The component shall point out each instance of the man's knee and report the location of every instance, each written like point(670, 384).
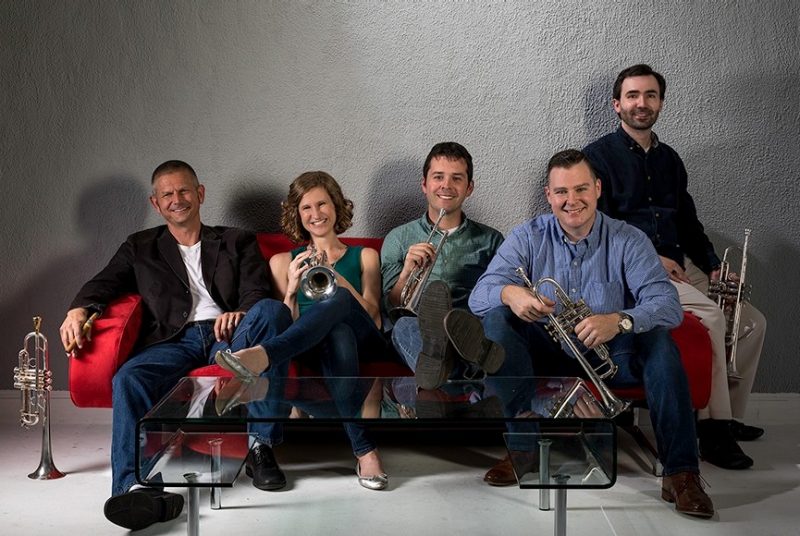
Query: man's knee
point(497, 322)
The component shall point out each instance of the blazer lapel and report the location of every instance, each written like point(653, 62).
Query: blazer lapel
point(208, 254)
point(168, 248)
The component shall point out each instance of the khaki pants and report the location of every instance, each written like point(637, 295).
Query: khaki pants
point(728, 399)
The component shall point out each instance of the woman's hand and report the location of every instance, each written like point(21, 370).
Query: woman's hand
point(297, 268)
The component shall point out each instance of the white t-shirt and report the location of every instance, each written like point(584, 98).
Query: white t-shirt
point(203, 305)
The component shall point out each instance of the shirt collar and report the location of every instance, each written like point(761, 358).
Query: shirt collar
point(592, 240)
point(429, 224)
point(632, 144)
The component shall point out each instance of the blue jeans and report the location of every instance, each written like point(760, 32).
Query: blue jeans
point(654, 363)
point(407, 340)
point(149, 374)
point(337, 333)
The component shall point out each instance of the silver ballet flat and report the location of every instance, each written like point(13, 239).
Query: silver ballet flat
point(231, 363)
point(376, 482)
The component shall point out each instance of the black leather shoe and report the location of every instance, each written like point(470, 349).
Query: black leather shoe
point(718, 447)
point(435, 361)
point(263, 468)
point(743, 432)
point(140, 508)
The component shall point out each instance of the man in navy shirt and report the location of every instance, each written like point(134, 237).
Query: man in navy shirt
point(645, 184)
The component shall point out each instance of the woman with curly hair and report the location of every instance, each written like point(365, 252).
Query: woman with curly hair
point(338, 330)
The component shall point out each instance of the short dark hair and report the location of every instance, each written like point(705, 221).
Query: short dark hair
point(290, 212)
point(452, 151)
point(639, 70)
point(171, 166)
point(566, 159)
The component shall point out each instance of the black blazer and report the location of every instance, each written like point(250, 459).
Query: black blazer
point(149, 263)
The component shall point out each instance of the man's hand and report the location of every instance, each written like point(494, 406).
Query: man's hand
point(72, 329)
point(597, 329)
point(674, 270)
point(418, 256)
point(587, 407)
point(226, 324)
point(524, 304)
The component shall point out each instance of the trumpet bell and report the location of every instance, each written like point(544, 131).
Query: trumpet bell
point(318, 283)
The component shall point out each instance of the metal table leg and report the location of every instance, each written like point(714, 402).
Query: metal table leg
point(193, 506)
point(544, 473)
point(561, 506)
point(216, 472)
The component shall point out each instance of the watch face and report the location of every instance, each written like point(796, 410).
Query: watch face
point(626, 324)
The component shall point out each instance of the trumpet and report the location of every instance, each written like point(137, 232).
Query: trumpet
point(559, 327)
point(319, 281)
point(412, 290)
point(730, 293)
point(34, 379)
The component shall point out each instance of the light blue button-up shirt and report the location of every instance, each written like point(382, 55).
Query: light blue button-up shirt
point(614, 269)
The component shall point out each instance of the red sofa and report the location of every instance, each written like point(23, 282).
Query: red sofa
point(115, 332)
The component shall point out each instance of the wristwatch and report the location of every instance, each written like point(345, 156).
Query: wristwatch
point(625, 323)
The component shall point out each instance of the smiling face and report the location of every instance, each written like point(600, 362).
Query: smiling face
point(177, 197)
point(573, 193)
point(639, 103)
point(446, 185)
point(317, 212)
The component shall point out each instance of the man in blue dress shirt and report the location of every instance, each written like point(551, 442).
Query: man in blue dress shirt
point(615, 269)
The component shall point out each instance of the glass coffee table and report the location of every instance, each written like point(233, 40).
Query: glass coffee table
point(197, 436)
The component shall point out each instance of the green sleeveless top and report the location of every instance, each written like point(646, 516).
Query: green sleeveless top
point(349, 267)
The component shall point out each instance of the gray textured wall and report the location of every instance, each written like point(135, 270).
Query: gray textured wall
point(95, 94)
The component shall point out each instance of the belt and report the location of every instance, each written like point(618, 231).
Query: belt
point(199, 323)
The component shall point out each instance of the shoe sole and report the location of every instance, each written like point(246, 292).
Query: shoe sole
point(667, 496)
point(434, 363)
point(465, 332)
point(135, 511)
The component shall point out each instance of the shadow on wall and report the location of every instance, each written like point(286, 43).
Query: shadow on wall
point(599, 115)
point(394, 197)
point(744, 173)
point(257, 206)
point(106, 213)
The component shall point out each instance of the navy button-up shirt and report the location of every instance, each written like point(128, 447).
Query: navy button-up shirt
point(649, 190)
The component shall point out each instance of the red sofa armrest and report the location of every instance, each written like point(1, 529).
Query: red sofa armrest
point(694, 344)
point(691, 338)
point(113, 335)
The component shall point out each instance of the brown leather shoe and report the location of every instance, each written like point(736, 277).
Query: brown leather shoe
point(686, 491)
point(502, 474)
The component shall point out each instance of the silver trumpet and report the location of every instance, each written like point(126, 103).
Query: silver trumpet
point(730, 293)
point(34, 379)
point(412, 290)
point(319, 281)
point(560, 327)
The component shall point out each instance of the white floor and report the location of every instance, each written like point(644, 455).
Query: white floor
point(432, 489)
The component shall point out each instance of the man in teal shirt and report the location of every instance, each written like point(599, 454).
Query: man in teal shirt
point(422, 341)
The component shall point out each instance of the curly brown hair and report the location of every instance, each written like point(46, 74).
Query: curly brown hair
point(291, 224)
